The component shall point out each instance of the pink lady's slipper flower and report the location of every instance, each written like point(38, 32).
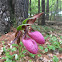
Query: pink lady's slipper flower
point(37, 36)
point(30, 45)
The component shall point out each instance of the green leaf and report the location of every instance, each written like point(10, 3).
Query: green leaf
point(39, 55)
point(15, 45)
point(24, 51)
point(3, 58)
point(50, 35)
point(41, 47)
point(3, 45)
point(30, 60)
point(21, 43)
point(46, 36)
point(3, 42)
point(46, 50)
point(55, 59)
point(13, 61)
point(51, 47)
point(20, 27)
point(14, 49)
point(60, 37)
point(56, 44)
point(8, 49)
point(10, 56)
point(32, 55)
point(4, 49)
point(54, 38)
point(7, 53)
point(8, 60)
point(25, 21)
point(22, 55)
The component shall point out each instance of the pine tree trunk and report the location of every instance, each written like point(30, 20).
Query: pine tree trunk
point(4, 16)
point(21, 10)
point(10, 9)
point(26, 9)
point(30, 8)
point(57, 7)
point(43, 10)
point(60, 5)
point(51, 11)
point(47, 10)
point(38, 11)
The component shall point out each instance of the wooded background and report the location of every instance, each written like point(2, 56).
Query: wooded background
point(15, 11)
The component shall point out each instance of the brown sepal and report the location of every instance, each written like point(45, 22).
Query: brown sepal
point(31, 21)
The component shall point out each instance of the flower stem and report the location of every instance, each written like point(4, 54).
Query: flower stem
point(20, 52)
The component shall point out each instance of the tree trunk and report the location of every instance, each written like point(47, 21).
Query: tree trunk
point(4, 16)
point(51, 11)
point(60, 5)
point(38, 6)
point(21, 10)
point(38, 11)
point(10, 8)
point(47, 10)
point(30, 8)
point(57, 7)
point(51, 15)
point(43, 10)
point(26, 9)
point(56, 10)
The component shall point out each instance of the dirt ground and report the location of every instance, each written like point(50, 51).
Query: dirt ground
point(45, 57)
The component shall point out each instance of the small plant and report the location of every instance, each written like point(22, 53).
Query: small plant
point(32, 55)
point(50, 47)
point(3, 43)
point(8, 57)
point(55, 59)
point(54, 43)
point(46, 49)
point(30, 60)
point(39, 55)
point(41, 47)
point(46, 36)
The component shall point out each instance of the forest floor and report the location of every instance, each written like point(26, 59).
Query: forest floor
point(51, 51)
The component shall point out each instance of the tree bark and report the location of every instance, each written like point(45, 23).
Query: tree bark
point(38, 11)
point(26, 9)
point(12, 9)
point(43, 10)
point(21, 10)
point(51, 11)
point(60, 5)
point(30, 8)
point(57, 7)
point(47, 10)
point(4, 16)
point(38, 6)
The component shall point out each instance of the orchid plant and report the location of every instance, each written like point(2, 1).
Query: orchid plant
point(29, 36)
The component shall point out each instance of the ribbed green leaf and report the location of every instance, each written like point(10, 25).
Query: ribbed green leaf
point(20, 27)
point(24, 22)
